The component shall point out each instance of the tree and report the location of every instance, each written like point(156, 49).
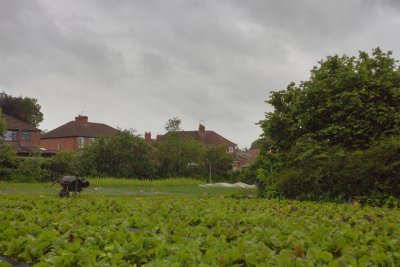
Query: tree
point(3, 126)
point(173, 125)
point(63, 163)
point(346, 112)
point(123, 155)
point(347, 101)
point(179, 156)
point(8, 161)
point(24, 108)
point(217, 162)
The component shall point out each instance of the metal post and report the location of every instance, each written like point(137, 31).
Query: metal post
point(210, 175)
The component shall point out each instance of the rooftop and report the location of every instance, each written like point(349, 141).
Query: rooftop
point(81, 127)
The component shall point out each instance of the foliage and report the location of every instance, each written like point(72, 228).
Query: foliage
point(218, 160)
point(187, 231)
point(29, 170)
point(173, 125)
point(347, 101)
point(123, 155)
point(7, 161)
point(179, 156)
point(3, 126)
point(326, 130)
point(63, 163)
point(24, 108)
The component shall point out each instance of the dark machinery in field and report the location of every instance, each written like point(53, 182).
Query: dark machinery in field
point(72, 184)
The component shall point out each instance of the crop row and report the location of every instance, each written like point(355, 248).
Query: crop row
point(188, 231)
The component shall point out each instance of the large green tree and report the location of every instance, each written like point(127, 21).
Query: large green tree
point(179, 156)
point(217, 162)
point(123, 155)
point(24, 108)
point(347, 101)
point(348, 111)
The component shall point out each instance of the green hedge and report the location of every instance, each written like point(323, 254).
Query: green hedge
point(338, 174)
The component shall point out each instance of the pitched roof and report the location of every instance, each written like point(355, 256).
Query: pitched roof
point(31, 149)
point(16, 124)
point(209, 137)
point(78, 129)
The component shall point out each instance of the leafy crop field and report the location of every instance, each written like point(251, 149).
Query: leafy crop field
point(43, 230)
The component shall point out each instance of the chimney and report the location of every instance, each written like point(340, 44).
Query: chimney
point(202, 131)
point(147, 136)
point(81, 119)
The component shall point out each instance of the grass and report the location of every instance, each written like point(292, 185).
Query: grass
point(109, 181)
point(122, 187)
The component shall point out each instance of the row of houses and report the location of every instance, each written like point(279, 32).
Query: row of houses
point(74, 135)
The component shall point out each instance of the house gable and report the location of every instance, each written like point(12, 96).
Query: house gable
point(74, 135)
point(23, 137)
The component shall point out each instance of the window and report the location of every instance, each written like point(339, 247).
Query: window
point(230, 149)
point(59, 146)
point(81, 142)
point(26, 135)
point(10, 136)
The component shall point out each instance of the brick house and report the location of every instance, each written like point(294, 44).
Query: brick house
point(74, 135)
point(23, 137)
point(244, 158)
point(204, 136)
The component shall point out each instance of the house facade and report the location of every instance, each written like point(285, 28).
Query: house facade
point(210, 138)
point(74, 135)
point(244, 158)
point(23, 137)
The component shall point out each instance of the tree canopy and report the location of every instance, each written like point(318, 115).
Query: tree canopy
point(3, 126)
point(179, 156)
point(173, 125)
point(347, 101)
point(123, 155)
point(338, 133)
point(24, 108)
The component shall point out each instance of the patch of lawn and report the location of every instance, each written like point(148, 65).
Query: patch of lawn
point(180, 190)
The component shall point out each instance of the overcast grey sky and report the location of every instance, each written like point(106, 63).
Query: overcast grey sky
point(135, 64)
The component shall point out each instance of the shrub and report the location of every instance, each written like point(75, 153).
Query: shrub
point(8, 161)
point(362, 173)
point(63, 163)
point(29, 170)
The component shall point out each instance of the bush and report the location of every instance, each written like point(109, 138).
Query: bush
point(334, 173)
point(8, 161)
point(123, 155)
point(29, 170)
point(63, 163)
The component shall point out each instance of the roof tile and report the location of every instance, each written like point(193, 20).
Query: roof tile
point(16, 124)
point(76, 129)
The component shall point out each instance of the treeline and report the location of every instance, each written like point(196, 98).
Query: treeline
point(337, 135)
point(123, 155)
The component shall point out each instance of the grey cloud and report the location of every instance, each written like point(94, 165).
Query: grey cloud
point(29, 32)
point(137, 63)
